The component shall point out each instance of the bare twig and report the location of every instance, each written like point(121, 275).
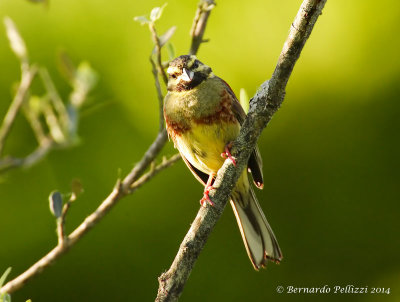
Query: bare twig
point(33, 119)
point(27, 76)
point(146, 177)
point(159, 95)
point(55, 98)
point(156, 42)
point(265, 103)
point(60, 125)
point(157, 69)
point(128, 185)
point(147, 159)
point(38, 154)
point(53, 122)
point(62, 237)
point(199, 24)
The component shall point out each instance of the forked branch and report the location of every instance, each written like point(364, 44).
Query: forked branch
point(135, 179)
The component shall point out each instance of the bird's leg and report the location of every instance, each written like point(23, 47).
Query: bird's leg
point(227, 153)
point(206, 199)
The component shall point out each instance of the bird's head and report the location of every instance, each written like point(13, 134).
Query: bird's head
point(186, 72)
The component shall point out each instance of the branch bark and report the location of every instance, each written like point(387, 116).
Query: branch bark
point(265, 103)
point(199, 24)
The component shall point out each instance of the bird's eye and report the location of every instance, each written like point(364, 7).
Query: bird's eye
point(174, 76)
point(195, 65)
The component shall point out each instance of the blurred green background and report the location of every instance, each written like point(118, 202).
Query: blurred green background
point(331, 153)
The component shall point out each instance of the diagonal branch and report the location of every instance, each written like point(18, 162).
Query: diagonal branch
point(127, 186)
point(264, 104)
point(27, 76)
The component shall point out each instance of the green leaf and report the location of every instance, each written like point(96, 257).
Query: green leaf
point(142, 20)
point(171, 51)
point(56, 203)
point(165, 37)
point(244, 100)
point(4, 276)
point(16, 42)
point(5, 297)
point(156, 13)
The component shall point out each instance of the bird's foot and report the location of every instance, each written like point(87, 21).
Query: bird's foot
point(227, 153)
point(206, 199)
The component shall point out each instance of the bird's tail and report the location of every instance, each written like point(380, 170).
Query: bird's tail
point(258, 237)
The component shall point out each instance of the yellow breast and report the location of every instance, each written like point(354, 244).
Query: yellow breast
point(203, 144)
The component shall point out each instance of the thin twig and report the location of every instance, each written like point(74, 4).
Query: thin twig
point(121, 189)
point(128, 185)
point(55, 98)
point(146, 177)
point(38, 154)
point(33, 118)
point(27, 76)
point(157, 69)
point(199, 24)
point(157, 45)
point(53, 122)
point(62, 237)
point(147, 158)
point(265, 103)
point(159, 94)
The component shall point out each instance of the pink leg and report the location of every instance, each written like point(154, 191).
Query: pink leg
point(227, 153)
point(206, 199)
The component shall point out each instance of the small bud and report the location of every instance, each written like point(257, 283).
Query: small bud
point(76, 188)
point(56, 203)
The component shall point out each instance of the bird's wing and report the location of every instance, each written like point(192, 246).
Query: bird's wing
point(200, 176)
point(255, 161)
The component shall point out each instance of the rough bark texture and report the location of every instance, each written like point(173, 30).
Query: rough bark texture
point(265, 103)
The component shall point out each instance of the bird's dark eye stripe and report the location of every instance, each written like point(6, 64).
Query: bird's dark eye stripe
point(195, 65)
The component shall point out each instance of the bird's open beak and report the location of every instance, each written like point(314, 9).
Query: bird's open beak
point(187, 76)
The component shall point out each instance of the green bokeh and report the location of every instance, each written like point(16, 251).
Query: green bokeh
point(331, 153)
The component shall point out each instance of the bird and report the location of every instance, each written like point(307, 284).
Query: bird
point(203, 117)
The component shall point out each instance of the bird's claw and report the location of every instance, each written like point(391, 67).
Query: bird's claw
point(206, 198)
point(227, 153)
